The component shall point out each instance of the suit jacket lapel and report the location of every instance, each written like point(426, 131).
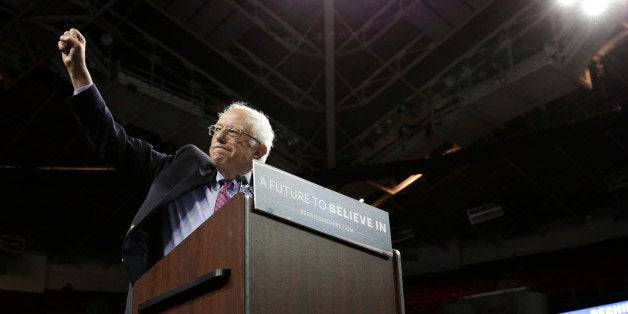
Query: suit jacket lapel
point(196, 177)
point(198, 173)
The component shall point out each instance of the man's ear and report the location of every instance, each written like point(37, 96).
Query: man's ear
point(260, 151)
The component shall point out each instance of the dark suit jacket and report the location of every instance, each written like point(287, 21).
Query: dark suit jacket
point(168, 176)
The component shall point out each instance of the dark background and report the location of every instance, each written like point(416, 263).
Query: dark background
point(513, 107)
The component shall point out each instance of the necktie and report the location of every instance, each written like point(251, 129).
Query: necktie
point(223, 194)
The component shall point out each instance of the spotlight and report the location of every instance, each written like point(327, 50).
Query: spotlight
point(566, 2)
point(594, 7)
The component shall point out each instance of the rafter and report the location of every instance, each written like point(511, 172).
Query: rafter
point(282, 26)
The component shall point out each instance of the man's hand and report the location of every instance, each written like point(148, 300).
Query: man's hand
point(72, 47)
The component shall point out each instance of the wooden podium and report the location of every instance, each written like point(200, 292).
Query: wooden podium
point(244, 261)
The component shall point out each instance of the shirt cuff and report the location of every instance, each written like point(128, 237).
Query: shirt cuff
point(80, 89)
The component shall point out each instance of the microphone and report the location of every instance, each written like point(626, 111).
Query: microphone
point(243, 185)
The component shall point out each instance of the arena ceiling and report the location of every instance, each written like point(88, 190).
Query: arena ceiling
point(499, 105)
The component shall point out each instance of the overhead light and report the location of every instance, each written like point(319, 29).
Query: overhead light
point(392, 191)
point(588, 7)
point(594, 7)
point(484, 213)
point(566, 2)
point(454, 148)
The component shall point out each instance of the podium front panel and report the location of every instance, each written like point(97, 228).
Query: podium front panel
point(296, 270)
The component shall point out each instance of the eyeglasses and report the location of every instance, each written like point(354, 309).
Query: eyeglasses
point(232, 132)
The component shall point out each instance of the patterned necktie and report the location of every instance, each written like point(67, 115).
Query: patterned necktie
point(223, 194)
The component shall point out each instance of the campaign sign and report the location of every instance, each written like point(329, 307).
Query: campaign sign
point(289, 197)
point(618, 307)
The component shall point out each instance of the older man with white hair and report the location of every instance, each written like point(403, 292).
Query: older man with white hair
point(185, 188)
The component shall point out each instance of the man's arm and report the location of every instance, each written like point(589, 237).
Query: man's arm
point(128, 154)
point(72, 46)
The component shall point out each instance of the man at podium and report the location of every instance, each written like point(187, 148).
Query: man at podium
point(186, 188)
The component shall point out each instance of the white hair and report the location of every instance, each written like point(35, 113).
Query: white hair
point(260, 126)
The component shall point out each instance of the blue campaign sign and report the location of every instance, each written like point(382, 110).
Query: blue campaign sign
point(292, 198)
point(614, 308)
